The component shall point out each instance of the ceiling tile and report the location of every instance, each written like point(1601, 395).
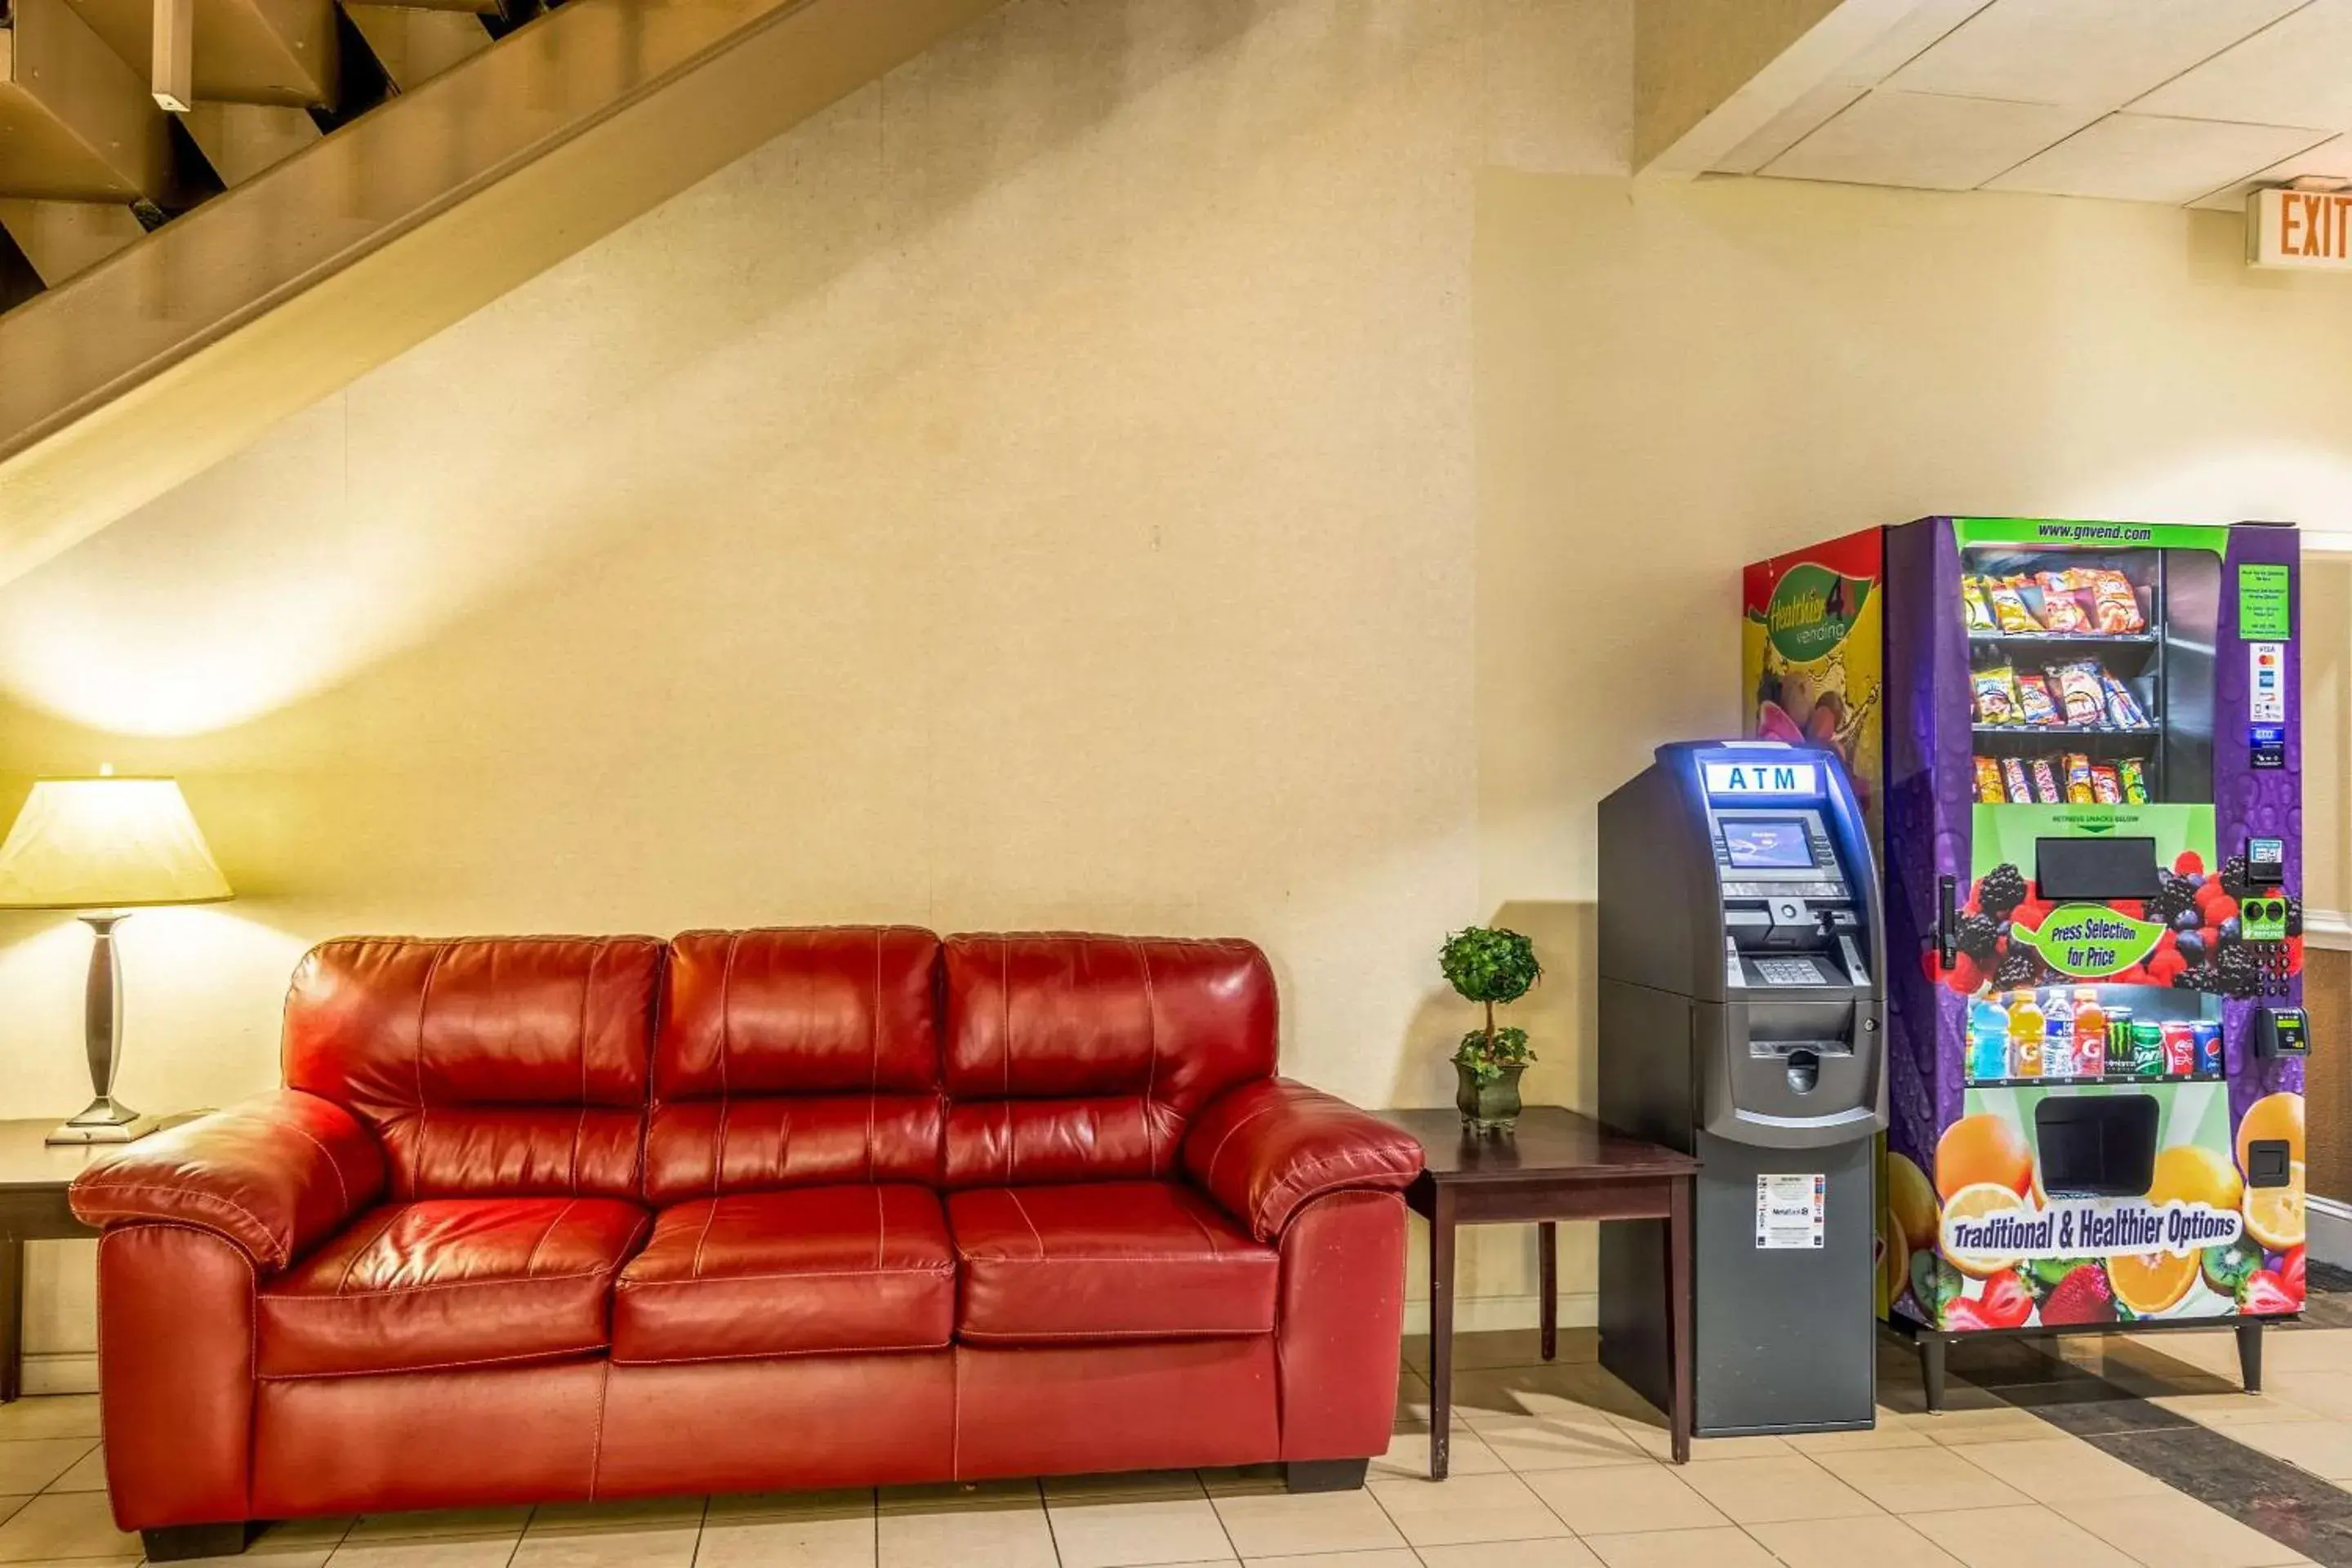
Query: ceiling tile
point(2291, 73)
point(1786, 129)
point(1926, 140)
point(2333, 156)
point(2144, 158)
point(2099, 52)
point(1920, 26)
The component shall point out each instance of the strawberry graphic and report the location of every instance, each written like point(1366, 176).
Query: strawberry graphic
point(1963, 1315)
point(2006, 1302)
point(2083, 1296)
point(2263, 1295)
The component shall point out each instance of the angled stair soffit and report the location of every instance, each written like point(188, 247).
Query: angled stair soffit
point(331, 255)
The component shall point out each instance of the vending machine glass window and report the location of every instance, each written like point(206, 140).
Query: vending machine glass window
point(2092, 671)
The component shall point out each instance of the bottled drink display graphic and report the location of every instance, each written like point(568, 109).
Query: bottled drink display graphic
point(2090, 1034)
point(2025, 1036)
point(2058, 1034)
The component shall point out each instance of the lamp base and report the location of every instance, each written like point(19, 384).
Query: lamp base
point(104, 1121)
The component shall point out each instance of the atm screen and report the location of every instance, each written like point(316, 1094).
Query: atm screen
point(1767, 844)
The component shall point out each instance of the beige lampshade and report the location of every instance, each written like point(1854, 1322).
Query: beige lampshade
point(106, 844)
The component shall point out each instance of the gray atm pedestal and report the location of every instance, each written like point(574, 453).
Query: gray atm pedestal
point(1742, 1019)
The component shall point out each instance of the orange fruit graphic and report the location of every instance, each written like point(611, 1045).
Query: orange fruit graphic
point(2271, 1117)
point(1978, 1202)
point(2193, 1174)
point(2189, 1172)
point(1983, 1148)
point(2152, 1282)
point(1910, 1203)
point(2275, 1215)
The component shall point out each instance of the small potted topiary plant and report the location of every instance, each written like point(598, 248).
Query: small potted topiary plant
point(1490, 965)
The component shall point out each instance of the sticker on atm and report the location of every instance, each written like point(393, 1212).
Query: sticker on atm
point(1789, 1211)
point(1762, 778)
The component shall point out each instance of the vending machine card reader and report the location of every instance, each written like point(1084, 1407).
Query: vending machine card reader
point(1742, 1019)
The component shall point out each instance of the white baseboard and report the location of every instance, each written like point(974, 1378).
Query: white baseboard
point(2330, 928)
point(61, 1373)
point(1483, 1314)
point(2328, 1230)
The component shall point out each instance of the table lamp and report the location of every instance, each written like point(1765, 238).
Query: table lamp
point(104, 847)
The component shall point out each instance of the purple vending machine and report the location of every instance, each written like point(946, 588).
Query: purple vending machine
point(2082, 741)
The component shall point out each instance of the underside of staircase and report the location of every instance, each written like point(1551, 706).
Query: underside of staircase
point(215, 212)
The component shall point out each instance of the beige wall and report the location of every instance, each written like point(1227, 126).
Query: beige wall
point(1040, 492)
point(1196, 466)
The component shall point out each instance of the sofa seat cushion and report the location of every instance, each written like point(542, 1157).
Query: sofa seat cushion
point(1106, 1260)
point(450, 1282)
point(808, 1270)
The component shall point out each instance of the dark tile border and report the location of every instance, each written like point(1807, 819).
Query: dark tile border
point(2113, 1414)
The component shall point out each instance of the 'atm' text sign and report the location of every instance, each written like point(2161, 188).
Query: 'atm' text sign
point(2300, 228)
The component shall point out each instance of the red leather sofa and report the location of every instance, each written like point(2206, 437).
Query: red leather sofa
point(548, 1219)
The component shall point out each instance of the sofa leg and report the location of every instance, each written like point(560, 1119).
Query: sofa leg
point(1324, 1475)
point(178, 1542)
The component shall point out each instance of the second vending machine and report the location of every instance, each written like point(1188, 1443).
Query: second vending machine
point(2081, 745)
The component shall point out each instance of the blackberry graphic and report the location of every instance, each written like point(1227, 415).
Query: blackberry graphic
point(1979, 936)
point(2174, 898)
point(2002, 890)
point(2294, 917)
point(2236, 973)
point(2017, 968)
point(2233, 877)
point(2197, 977)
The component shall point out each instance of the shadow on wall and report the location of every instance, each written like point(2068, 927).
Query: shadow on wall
point(1560, 1015)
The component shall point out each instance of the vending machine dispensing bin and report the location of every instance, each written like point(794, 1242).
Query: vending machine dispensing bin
point(2079, 744)
point(1742, 1019)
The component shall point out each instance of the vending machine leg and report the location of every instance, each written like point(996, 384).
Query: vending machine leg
point(2250, 1355)
point(1931, 1368)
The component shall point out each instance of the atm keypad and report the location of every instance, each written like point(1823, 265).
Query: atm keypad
point(1788, 971)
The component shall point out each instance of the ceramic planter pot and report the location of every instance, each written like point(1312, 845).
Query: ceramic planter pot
point(1492, 1107)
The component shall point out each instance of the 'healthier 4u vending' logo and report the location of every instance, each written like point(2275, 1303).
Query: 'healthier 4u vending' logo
point(2090, 940)
point(1812, 610)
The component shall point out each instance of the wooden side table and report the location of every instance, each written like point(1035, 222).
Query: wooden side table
point(34, 1176)
point(1557, 1166)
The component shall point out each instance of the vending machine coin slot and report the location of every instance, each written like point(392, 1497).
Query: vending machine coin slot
point(2267, 862)
point(2269, 1162)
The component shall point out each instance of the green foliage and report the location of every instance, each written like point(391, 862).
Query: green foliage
point(1486, 1060)
point(1489, 964)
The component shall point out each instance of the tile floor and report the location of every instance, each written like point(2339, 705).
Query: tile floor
point(1555, 1466)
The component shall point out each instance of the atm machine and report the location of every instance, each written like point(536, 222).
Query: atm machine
point(1742, 1020)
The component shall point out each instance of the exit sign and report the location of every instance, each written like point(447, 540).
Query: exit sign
point(2300, 228)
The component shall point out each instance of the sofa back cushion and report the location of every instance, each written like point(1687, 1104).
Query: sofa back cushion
point(492, 1065)
point(788, 1058)
point(1082, 1058)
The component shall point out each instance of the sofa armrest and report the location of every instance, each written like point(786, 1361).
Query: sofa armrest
point(274, 1174)
point(1265, 1148)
